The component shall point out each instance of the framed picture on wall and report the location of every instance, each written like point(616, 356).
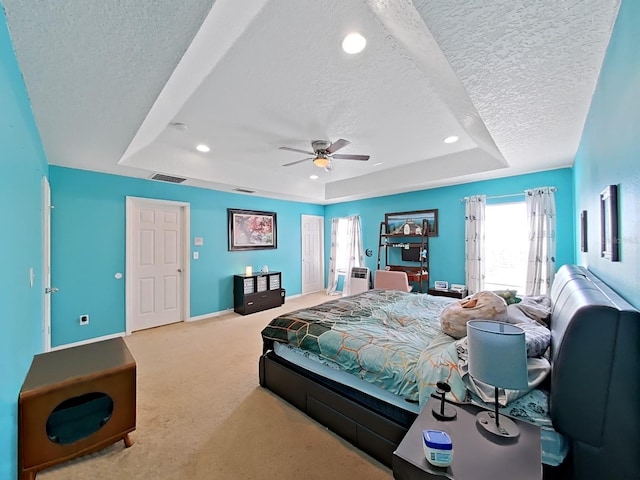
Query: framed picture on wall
point(583, 231)
point(609, 241)
point(252, 229)
point(410, 223)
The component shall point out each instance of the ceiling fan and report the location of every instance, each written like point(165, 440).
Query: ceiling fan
point(324, 152)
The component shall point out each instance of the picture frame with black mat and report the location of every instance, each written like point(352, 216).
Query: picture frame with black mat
point(252, 230)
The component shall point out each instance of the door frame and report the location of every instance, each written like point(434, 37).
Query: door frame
point(46, 264)
point(320, 256)
point(185, 210)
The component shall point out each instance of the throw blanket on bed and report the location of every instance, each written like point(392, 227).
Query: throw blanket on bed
point(389, 338)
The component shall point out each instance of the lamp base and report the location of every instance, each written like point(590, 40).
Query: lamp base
point(444, 412)
point(507, 427)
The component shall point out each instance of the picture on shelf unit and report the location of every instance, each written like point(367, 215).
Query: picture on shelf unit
point(609, 247)
point(252, 229)
point(410, 223)
point(441, 285)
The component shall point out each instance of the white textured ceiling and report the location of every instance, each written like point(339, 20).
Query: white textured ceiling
point(512, 78)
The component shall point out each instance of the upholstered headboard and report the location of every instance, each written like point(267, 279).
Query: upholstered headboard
point(595, 377)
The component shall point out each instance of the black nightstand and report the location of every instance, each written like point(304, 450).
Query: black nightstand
point(477, 455)
point(447, 293)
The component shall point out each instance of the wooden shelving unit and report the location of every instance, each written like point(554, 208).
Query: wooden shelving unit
point(416, 238)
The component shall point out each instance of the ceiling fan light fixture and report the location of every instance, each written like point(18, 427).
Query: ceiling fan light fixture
point(321, 161)
point(353, 43)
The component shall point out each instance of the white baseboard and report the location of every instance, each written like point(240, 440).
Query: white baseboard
point(209, 315)
point(87, 341)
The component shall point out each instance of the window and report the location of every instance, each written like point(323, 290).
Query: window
point(342, 245)
point(506, 246)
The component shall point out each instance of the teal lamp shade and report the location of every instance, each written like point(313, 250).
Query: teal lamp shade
point(497, 357)
point(497, 354)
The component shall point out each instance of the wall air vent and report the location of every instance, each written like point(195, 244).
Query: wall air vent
point(167, 178)
point(243, 190)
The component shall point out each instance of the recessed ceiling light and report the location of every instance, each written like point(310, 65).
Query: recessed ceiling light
point(313, 177)
point(451, 139)
point(203, 148)
point(354, 43)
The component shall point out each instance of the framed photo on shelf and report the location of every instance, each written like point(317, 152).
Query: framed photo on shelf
point(252, 229)
point(410, 223)
point(609, 240)
point(441, 285)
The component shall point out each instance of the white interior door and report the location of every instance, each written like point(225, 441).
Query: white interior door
point(312, 234)
point(157, 263)
point(46, 265)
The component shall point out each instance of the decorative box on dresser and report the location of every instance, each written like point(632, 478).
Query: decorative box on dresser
point(257, 292)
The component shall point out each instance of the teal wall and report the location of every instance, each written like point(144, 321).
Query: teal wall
point(447, 249)
point(88, 247)
point(23, 166)
point(609, 153)
point(88, 222)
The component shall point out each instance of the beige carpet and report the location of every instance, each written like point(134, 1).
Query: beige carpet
point(202, 414)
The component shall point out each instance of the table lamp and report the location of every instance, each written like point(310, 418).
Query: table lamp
point(497, 357)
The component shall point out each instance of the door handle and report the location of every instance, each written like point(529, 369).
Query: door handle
point(50, 290)
point(180, 270)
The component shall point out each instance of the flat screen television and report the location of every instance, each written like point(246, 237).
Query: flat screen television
point(411, 254)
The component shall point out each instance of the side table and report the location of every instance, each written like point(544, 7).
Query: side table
point(477, 455)
point(75, 401)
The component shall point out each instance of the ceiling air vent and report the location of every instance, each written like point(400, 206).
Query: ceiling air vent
point(167, 178)
point(243, 190)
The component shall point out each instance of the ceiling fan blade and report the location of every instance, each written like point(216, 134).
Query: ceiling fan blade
point(298, 161)
point(337, 145)
point(296, 150)
point(346, 156)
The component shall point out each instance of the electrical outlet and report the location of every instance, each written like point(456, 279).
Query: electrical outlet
point(84, 319)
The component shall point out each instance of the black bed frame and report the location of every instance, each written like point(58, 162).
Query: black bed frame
point(373, 426)
point(587, 317)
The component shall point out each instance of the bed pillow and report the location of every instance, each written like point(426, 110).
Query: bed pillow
point(538, 338)
point(510, 296)
point(482, 305)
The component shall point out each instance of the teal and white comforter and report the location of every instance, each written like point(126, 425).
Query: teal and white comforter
point(390, 338)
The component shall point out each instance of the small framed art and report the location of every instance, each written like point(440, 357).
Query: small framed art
point(609, 240)
point(583, 231)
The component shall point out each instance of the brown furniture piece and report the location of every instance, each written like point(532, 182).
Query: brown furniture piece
point(447, 293)
point(73, 402)
point(477, 455)
point(257, 292)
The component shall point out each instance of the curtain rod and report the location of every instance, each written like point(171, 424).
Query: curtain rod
point(522, 194)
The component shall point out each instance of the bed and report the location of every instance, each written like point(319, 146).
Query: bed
point(594, 357)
